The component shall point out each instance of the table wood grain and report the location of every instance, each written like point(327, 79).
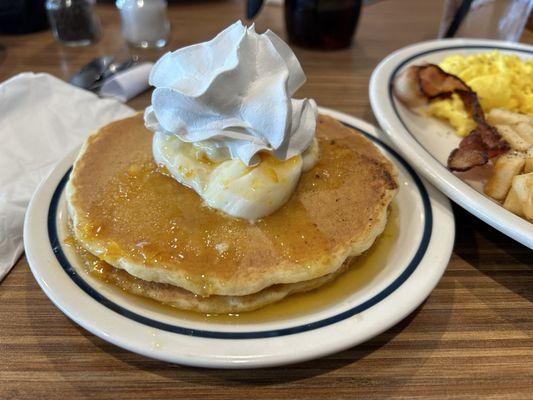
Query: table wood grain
point(472, 338)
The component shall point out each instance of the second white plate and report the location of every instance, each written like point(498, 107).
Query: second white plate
point(426, 142)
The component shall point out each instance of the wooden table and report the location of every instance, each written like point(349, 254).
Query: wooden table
point(471, 338)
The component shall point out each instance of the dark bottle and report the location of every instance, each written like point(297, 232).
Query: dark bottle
point(322, 24)
point(22, 16)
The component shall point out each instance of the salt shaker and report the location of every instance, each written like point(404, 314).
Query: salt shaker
point(73, 22)
point(144, 22)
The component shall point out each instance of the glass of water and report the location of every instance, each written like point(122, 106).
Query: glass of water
point(144, 22)
point(487, 19)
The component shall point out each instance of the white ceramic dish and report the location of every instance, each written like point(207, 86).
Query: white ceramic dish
point(426, 142)
point(415, 264)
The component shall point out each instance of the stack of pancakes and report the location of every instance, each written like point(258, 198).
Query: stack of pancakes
point(153, 237)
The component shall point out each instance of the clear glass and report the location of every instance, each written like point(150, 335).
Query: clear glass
point(144, 22)
point(488, 19)
point(73, 22)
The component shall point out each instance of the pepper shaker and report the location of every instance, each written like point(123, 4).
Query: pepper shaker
point(73, 22)
point(144, 22)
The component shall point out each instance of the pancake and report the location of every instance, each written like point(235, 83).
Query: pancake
point(130, 214)
point(183, 299)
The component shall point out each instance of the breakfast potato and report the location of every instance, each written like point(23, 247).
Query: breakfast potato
point(525, 131)
point(512, 203)
point(521, 196)
point(497, 116)
point(505, 168)
point(528, 165)
point(513, 138)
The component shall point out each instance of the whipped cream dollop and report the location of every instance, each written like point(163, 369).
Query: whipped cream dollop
point(225, 124)
point(231, 97)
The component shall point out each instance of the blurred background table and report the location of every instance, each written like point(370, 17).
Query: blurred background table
point(472, 338)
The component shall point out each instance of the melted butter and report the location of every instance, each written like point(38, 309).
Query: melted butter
point(361, 272)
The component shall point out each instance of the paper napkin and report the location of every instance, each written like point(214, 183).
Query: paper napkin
point(41, 119)
point(127, 84)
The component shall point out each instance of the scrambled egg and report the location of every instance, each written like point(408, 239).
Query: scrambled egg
point(500, 81)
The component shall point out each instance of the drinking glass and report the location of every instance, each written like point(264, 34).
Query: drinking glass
point(322, 24)
point(488, 19)
point(144, 23)
point(73, 22)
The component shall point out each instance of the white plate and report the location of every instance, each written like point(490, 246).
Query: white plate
point(415, 264)
point(426, 142)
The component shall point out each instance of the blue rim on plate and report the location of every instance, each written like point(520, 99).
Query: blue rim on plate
point(423, 53)
point(406, 273)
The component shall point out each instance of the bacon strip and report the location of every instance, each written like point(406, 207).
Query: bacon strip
point(484, 142)
point(435, 82)
point(475, 149)
point(464, 159)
